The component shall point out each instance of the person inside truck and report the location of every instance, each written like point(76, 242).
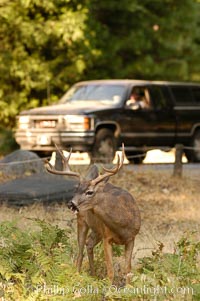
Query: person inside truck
point(138, 99)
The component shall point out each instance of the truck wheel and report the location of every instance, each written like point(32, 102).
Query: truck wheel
point(193, 155)
point(43, 154)
point(105, 146)
point(135, 160)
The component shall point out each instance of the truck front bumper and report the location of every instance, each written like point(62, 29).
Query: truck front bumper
point(39, 140)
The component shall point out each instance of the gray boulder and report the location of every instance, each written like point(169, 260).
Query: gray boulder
point(21, 163)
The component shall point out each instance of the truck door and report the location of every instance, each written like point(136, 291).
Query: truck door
point(152, 125)
point(165, 128)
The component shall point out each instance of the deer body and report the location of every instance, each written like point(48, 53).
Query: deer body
point(111, 215)
point(115, 209)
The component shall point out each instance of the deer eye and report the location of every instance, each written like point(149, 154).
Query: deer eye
point(89, 192)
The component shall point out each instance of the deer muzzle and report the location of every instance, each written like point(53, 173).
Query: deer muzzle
point(71, 205)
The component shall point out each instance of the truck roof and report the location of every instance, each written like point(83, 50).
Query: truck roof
point(136, 81)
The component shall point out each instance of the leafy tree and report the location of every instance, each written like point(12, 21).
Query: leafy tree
point(41, 49)
point(149, 39)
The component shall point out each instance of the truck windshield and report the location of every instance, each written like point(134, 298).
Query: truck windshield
point(95, 92)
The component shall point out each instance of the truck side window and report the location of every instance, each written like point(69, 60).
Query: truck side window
point(196, 94)
point(157, 97)
point(182, 95)
point(139, 98)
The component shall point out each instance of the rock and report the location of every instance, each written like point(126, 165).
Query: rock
point(38, 188)
point(21, 163)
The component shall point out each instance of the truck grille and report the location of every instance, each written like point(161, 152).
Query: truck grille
point(41, 124)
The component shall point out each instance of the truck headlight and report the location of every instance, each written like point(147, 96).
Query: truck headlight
point(78, 123)
point(23, 122)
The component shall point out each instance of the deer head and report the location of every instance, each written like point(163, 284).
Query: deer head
point(89, 186)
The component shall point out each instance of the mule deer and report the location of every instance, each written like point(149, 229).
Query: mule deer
point(108, 211)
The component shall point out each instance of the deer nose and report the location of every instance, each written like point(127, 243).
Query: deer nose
point(73, 206)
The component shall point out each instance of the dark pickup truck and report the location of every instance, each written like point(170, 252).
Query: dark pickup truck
point(97, 116)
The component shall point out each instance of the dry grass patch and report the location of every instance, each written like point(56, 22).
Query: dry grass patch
point(169, 207)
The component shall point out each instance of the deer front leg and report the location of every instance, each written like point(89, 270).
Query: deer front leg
point(92, 241)
point(108, 258)
point(128, 256)
point(82, 230)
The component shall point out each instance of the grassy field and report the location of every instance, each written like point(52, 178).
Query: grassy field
point(39, 248)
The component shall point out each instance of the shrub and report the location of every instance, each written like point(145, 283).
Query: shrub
point(7, 141)
point(38, 264)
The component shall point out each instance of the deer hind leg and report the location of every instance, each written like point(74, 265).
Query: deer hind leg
point(82, 235)
point(128, 256)
point(92, 241)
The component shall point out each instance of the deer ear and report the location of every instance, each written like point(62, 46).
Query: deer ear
point(92, 173)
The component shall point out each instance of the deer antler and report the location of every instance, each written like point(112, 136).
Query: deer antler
point(110, 172)
point(66, 169)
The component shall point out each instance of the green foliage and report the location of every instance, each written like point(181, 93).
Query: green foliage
point(38, 265)
point(7, 141)
point(41, 46)
point(147, 39)
point(48, 45)
point(178, 272)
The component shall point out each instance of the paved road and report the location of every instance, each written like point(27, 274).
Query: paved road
point(190, 169)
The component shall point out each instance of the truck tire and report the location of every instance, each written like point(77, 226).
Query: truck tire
point(43, 154)
point(105, 146)
point(140, 156)
point(193, 155)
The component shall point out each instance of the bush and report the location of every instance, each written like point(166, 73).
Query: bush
point(7, 141)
